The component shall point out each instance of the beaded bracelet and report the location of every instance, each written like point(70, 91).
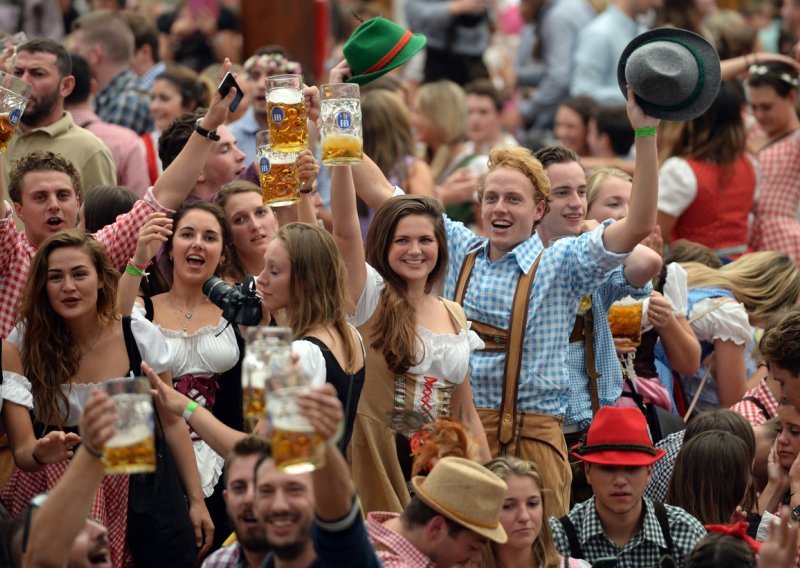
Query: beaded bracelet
point(644, 131)
point(141, 268)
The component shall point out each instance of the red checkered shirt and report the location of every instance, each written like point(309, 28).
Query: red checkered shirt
point(118, 240)
point(752, 413)
point(392, 549)
point(227, 557)
point(775, 226)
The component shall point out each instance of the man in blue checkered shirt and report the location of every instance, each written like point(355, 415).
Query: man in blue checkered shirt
point(514, 198)
point(568, 209)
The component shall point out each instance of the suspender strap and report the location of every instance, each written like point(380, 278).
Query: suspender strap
point(583, 331)
point(759, 405)
point(591, 368)
point(516, 338)
point(463, 277)
point(661, 514)
point(572, 537)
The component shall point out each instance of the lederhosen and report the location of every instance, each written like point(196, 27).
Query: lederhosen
point(530, 436)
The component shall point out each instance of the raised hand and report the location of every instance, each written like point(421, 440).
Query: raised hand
point(636, 115)
point(153, 234)
point(307, 168)
point(56, 446)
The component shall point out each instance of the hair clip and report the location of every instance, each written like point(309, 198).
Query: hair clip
point(764, 71)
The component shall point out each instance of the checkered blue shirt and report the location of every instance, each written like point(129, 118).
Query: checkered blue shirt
point(570, 269)
point(645, 548)
point(609, 384)
point(126, 102)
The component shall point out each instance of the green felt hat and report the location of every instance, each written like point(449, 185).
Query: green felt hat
point(378, 46)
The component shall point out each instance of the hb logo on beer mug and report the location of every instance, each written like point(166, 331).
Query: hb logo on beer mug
point(340, 119)
point(14, 95)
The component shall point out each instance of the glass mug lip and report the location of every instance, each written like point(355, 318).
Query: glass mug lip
point(12, 83)
point(138, 384)
point(284, 78)
point(331, 90)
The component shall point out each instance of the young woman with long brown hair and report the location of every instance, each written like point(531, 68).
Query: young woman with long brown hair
point(418, 344)
point(72, 339)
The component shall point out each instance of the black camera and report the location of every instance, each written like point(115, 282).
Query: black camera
point(239, 303)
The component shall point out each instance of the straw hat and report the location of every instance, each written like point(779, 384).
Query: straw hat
point(618, 436)
point(674, 73)
point(378, 46)
point(466, 493)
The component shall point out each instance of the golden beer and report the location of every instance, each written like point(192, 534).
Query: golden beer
point(280, 182)
point(625, 321)
point(297, 452)
point(288, 127)
point(341, 149)
point(133, 451)
point(6, 130)
point(253, 406)
point(295, 446)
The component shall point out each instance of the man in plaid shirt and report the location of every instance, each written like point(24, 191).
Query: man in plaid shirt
point(619, 522)
point(45, 190)
point(251, 546)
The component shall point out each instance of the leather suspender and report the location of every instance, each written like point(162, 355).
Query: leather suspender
point(515, 339)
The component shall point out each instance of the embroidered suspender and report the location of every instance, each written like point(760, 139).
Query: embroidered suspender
point(509, 341)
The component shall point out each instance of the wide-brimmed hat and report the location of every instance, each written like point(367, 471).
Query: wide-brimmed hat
point(466, 493)
point(618, 436)
point(674, 73)
point(378, 46)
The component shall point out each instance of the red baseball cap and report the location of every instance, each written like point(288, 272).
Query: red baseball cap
point(618, 436)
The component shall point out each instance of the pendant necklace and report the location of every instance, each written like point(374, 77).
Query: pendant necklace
point(186, 314)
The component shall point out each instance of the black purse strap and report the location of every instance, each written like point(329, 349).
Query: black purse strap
point(760, 405)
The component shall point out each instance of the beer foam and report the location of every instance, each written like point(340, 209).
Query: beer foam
point(130, 437)
point(285, 96)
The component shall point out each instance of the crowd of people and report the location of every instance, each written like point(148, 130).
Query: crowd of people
point(528, 167)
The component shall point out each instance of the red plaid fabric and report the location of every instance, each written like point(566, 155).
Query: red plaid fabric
point(775, 225)
point(110, 505)
point(751, 412)
point(392, 549)
point(118, 240)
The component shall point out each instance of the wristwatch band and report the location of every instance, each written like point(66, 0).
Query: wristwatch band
point(210, 134)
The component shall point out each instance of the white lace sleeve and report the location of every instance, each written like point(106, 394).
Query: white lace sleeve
point(676, 288)
point(312, 361)
point(373, 284)
point(727, 322)
point(17, 389)
point(152, 344)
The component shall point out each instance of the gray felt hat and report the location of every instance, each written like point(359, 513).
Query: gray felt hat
point(674, 73)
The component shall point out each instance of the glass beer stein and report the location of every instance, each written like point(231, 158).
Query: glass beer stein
point(287, 115)
point(340, 124)
point(277, 173)
point(132, 449)
point(14, 95)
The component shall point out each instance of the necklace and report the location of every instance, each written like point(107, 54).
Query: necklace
point(85, 353)
point(188, 314)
